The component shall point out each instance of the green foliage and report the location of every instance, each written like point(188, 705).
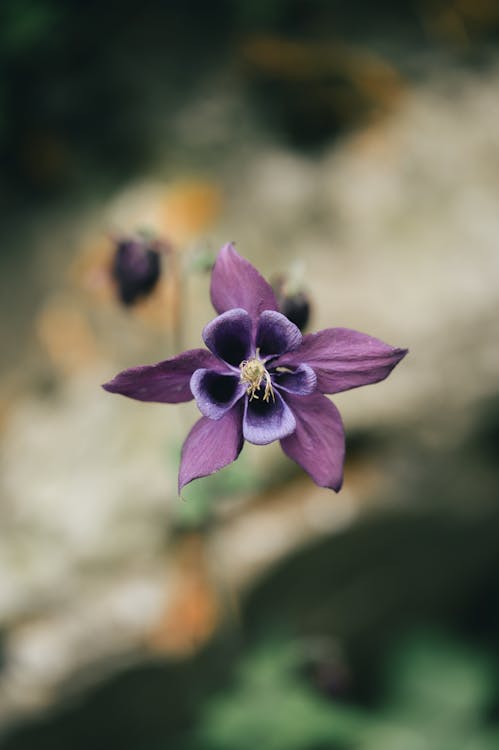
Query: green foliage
point(436, 696)
point(26, 22)
point(273, 707)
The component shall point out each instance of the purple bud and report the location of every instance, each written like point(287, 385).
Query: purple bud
point(293, 302)
point(136, 268)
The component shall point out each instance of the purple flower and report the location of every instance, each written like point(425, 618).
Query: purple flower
point(260, 380)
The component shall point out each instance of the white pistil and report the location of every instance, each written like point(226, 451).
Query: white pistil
point(253, 373)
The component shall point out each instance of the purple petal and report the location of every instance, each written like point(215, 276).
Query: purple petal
point(318, 443)
point(344, 359)
point(301, 380)
point(210, 446)
point(229, 336)
point(166, 382)
point(276, 334)
point(266, 421)
point(236, 283)
point(216, 393)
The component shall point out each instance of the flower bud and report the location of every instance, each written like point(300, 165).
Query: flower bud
point(293, 302)
point(136, 267)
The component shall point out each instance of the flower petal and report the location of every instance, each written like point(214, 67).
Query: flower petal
point(236, 283)
point(344, 359)
point(210, 446)
point(275, 334)
point(166, 382)
point(302, 380)
point(266, 421)
point(229, 336)
point(216, 393)
point(318, 443)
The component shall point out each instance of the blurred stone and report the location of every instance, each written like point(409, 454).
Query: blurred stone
point(316, 91)
point(190, 208)
point(91, 269)
point(193, 609)
point(66, 336)
point(182, 210)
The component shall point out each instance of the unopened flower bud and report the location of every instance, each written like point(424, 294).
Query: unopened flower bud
point(136, 267)
point(293, 302)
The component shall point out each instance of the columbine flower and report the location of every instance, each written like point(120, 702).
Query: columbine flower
point(260, 380)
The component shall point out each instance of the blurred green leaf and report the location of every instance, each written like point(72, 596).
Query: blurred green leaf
point(438, 692)
point(25, 22)
point(438, 678)
point(273, 707)
point(437, 695)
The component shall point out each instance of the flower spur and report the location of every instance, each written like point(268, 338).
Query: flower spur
point(260, 380)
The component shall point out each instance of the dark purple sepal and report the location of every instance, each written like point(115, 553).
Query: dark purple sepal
point(167, 382)
point(211, 445)
point(266, 421)
point(215, 392)
point(236, 283)
point(344, 359)
point(318, 443)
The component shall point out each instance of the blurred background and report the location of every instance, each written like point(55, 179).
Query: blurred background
point(351, 150)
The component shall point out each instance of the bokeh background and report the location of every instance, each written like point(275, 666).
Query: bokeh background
point(351, 149)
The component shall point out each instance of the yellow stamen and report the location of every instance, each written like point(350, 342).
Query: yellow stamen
point(253, 373)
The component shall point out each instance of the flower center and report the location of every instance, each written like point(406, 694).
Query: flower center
point(253, 373)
